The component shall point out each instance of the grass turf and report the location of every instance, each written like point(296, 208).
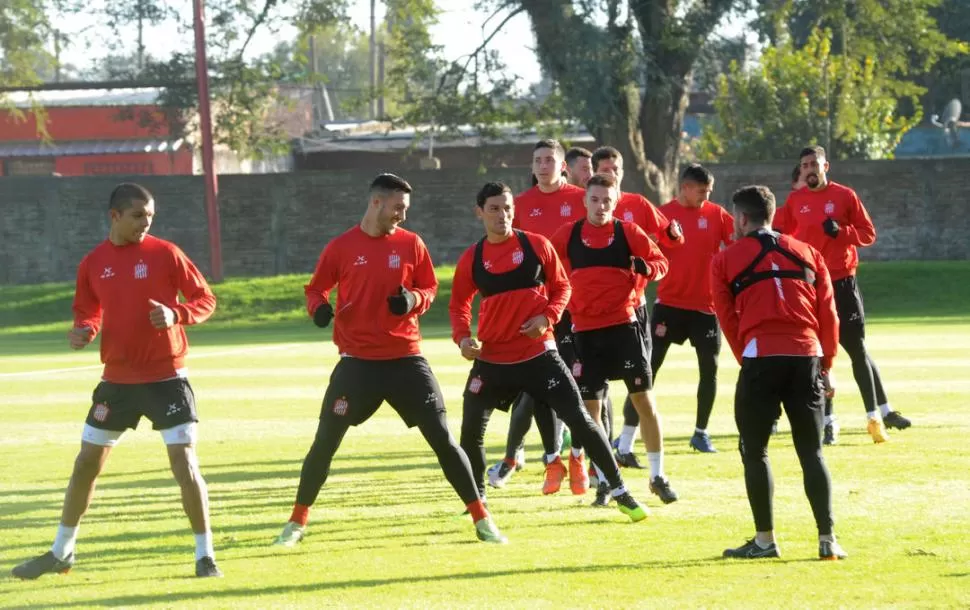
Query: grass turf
point(386, 530)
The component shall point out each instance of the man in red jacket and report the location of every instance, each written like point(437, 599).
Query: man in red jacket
point(579, 166)
point(385, 281)
point(607, 260)
point(773, 297)
point(128, 289)
point(524, 291)
point(831, 218)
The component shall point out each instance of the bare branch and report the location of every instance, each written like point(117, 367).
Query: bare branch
point(474, 54)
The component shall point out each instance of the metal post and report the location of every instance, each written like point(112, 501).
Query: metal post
point(205, 116)
point(373, 59)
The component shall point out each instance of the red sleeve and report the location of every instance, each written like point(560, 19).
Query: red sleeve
point(200, 302)
point(663, 224)
point(641, 245)
point(727, 315)
point(87, 307)
point(560, 243)
point(727, 228)
point(424, 284)
point(557, 282)
point(860, 230)
point(324, 278)
point(782, 222)
point(463, 290)
point(828, 318)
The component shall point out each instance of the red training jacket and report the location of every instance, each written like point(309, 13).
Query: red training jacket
point(544, 213)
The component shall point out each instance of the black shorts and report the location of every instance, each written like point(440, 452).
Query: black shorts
point(643, 320)
point(359, 387)
point(614, 352)
point(676, 325)
point(848, 304)
point(767, 383)
point(545, 378)
point(119, 406)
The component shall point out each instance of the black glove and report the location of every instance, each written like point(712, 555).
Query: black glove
point(401, 303)
point(323, 315)
point(674, 230)
point(640, 266)
point(831, 227)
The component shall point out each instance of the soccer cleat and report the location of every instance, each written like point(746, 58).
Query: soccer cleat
point(701, 441)
point(751, 550)
point(44, 564)
point(830, 435)
point(831, 551)
point(630, 507)
point(555, 473)
point(292, 534)
point(499, 474)
point(895, 419)
point(660, 486)
point(207, 568)
point(578, 478)
point(486, 531)
point(603, 495)
point(877, 430)
point(628, 460)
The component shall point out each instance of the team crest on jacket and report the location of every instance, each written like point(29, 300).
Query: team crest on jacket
point(702, 223)
point(101, 412)
point(141, 270)
point(829, 208)
point(517, 257)
point(628, 216)
point(475, 385)
point(565, 210)
point(393, 261)
point(340, 406)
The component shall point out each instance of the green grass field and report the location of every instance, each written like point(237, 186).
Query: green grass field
point(387, 532)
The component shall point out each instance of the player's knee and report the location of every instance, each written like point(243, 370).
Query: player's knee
point(87, 465)
point(855, 347)
point(185, 469)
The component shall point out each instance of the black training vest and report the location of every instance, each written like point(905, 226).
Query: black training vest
point(528, 274)
point(769, 243)
point(617, 254)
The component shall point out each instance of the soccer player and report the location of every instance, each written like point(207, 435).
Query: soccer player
point(524, 291)
point(385, 281)
point(128, 289)
point(607, 260)
point(684, 309)
point(831, 218)
point(773, 296)
point(542, 209)
point(635, 208)
point(579, 166)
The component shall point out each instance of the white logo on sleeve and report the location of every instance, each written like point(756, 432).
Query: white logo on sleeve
point(518, 257)
point(141, 270)
point(108, 272)
point(361, 260)
point(393, 261)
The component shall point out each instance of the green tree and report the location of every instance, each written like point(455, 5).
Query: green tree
point(806, 95)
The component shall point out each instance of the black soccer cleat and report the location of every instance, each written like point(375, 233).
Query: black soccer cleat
point(831, 551)
point(207, 568)
point(895, 419)
point(660, 486)
point(830, 436)
point(603, 495)
point(628, 460)
point(751, 550)
point(44, 564)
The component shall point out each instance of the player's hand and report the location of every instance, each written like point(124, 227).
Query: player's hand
point(640, 266)
point(161, 316)
point(401, 302)
point(674, 230)
point(323, 315)
point(828, 382)
point(535, 327)
point(470, 349)
point(80, 337)
point(831, 227)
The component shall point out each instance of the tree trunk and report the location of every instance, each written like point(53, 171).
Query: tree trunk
point(661, 124)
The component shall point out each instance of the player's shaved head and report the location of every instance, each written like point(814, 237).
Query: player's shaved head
point(491, 189)
point(698, 174)
point(605, 152)
point(757, 202)
point(816, 150)
point(126, 194)
point(387, 184)
point(551, 144)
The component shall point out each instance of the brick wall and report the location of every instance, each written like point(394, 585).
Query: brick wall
point(278, 223)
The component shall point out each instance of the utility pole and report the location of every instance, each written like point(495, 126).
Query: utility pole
point(373, 59)
point(141, 40)
point(208, 165)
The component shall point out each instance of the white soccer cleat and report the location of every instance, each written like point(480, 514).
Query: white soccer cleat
point(291, 535)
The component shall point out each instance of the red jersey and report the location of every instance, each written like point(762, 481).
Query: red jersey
point(804, 212)
point(779, 316)
point(544, 213)
point(503, 313)
point(606, 295)
point(367, 270)
point(688, 284)
point(114, 285)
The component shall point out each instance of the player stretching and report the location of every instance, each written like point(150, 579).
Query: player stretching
point(384, 280)
point(831, 218)
point(524, 292)
point(128, 289)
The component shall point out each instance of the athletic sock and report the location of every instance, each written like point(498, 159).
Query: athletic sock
point(763, 545)
point(829, 420)
point(64, 541)
point(626, 439)
point(576, 452)
point(301, 514)
point(700, 431)
point(619, 491)
point(872, 415)
point(477, 510)
point(826, 537)
point(552, 457)
point(203, 546)
point(656, 459)
point(885, 409)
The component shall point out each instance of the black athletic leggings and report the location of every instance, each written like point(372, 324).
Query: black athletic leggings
point(865, 372)
point(763, 386)
point(520, 420)
point(434, 428)
point(606, 416)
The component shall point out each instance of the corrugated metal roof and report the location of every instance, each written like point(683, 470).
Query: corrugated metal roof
point(145, 96)
point(88, 147)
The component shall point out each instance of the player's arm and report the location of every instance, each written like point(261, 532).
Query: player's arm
point(87, 310)
point(560, 244)
point(783, 222)
point(859, 231)
point(724, 306)
point(424, 283)
point(557, 282)
point(463, 291)
point(200, 302)
point(727, 228)
point(669, 232)
point(325, 277)
point(646, 258)
point(825, 312)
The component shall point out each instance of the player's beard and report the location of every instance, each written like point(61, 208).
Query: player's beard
point(812, 180)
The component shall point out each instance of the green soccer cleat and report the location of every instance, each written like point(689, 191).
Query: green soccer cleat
point(486, 531)
point(291, 535)
point(630, 507)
